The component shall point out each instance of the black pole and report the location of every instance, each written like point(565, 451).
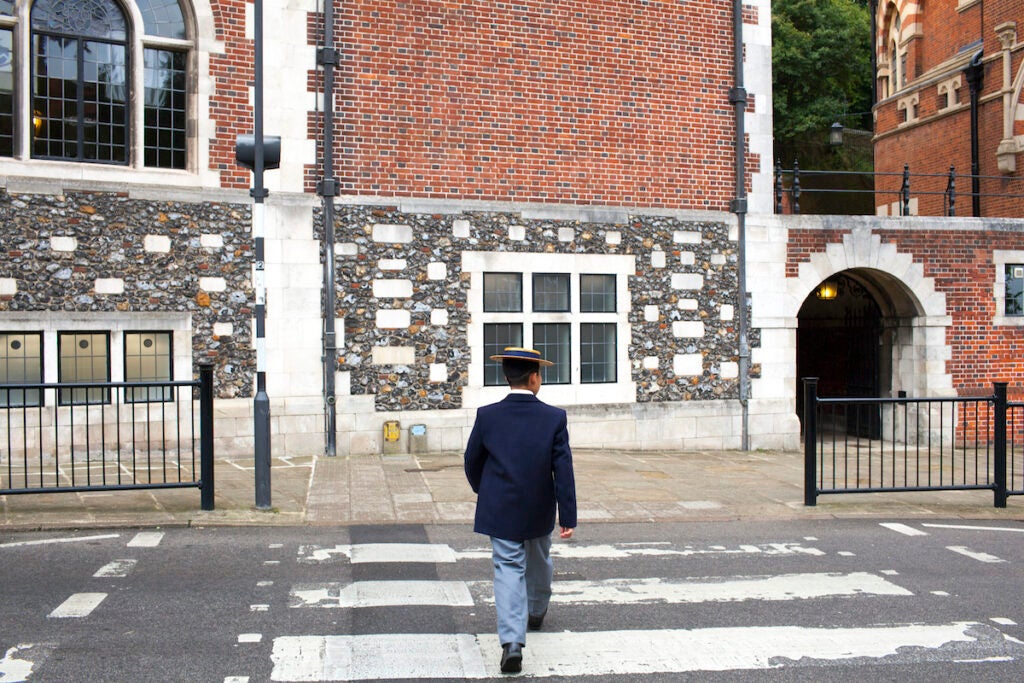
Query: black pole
point(810, 441)
point(738, 98)
point(999, 437)
point(327, 188)
point(206, 436)
point(261, 403)
point(975, 74)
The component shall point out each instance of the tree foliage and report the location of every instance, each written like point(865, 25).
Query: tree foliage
point(821, 63)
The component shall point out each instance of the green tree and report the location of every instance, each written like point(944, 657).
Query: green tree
point(821, 63)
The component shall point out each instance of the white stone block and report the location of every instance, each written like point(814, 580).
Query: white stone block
point(651, 314)
point(439, 316)
point(212, 284)
point(687, 258)
point(730, 370)
point(8, 286)
point(223, 329)
point(688, 364)
point(686, 237)
point(650, 362)
point(688, 304)
point(566, 234)
point(517, 233)
point(727, 312)
point(392, 234)
point(394, 355)
point(159, 244)
point(109, 285)
point(438, 372)
point(688, 329)
point(391, 264)
point(613, 237)
point(346, 249)
point(392, 289)
point(393, 319)
point(211, 241)
point(62, 243)
point(658, 259)
point(460, 227)
point(688, 281)
point(437, 271)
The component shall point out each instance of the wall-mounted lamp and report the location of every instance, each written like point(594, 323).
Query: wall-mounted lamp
point(835, 135)
point(827, 290)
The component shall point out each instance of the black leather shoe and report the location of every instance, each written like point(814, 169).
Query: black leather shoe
point(511, 658)
point(535, 621)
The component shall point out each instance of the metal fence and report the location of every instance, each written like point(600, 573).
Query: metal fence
point(108, 436)
point(874, 445)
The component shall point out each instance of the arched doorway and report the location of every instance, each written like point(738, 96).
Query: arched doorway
point(844, 339)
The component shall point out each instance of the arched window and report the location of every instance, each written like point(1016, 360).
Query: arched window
point(98, 88)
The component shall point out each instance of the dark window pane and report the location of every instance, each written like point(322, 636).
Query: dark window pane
point(147, 358)
point(597, 353)
point(597, 293)
point(503, 292)
point(1014, 289)
point(497, 336)
point(83, 357)
point(84, 18)
point(551, 292)
point(6, 94)
point(165, 108)
point(554, 343)
point(162, 18)
point(21, 362)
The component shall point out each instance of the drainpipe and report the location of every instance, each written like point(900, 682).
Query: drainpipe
point(327, 188)
point(738, 206)
point(975, 74)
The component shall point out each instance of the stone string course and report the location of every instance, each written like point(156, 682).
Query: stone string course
point(665, 269)
point(109, 233)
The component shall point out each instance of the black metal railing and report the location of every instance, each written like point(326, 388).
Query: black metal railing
point(794, 185)
point(108, 436)
point(875, 445)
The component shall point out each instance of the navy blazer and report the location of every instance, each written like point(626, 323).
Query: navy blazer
point(519, 463)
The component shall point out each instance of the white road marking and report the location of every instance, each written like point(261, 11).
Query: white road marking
point(118, 569)
point(733, 589)
point(271, 562)
point(259, 608)
point(625, 653)
point(846, 553)
point(273, 546)
point(236, 679)
point(975, 528)
point(250, 637)
point(1003, 621)
point(941, 594)
point(263, 584)
point(13, 668)
point(78, 605)
point(381, 552)
point(47, 541)
point(979, 556)
point(903, 529)
point(382, 594)
point(889, 572)
point(146, 539)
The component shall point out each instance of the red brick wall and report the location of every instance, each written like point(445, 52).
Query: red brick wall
point(961, 264)
point(230, 106)
point(935, 144)
point(580, 102)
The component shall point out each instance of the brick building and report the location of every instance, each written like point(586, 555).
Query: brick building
point(926, 54)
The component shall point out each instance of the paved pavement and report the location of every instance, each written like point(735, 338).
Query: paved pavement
point(612, 486)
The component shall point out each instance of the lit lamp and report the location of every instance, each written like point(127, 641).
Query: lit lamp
point(835, 135)
point(827, 291)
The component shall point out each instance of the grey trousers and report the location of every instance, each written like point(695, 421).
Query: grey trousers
point(522, 584)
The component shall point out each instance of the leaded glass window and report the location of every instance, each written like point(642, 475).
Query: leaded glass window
point(498, 336)
point(83, 357)
point(6, 91)
point(553, 342)
point(21, 362)
point(1014, 289)
point(147, 358)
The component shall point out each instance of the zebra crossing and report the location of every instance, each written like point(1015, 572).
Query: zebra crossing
point(580, 651)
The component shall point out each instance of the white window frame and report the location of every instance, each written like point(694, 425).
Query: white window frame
point(475, 264)
point(1000, 258)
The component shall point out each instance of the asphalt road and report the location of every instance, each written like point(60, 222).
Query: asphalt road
point(848, 600)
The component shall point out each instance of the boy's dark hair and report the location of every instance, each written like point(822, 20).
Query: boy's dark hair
point(517, 372)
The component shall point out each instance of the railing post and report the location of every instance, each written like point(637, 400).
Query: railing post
point(905, 192)
point(778, 186)
point(999, 436)
point(810, 441)
point(206, 435)
point(796, 187)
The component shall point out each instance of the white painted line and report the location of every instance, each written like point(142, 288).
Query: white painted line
point(271, 562)
point(274, 546)
point(47, 541)
point(903, 529)
point(734, 589)
point(146, 539)
point(250, 637)
point(889, 572)
point(382, 594)
point(118, 569)
point(941, 594)
point(14, 669)
point(627, 653)
point(78, 605)
point(846, 553)
point(259, 608)
point(975, 528)
point(979, 556)
point(1003, 621)
point(810, 538)
point(381, 552)
point(263, 584)
point(236, 679)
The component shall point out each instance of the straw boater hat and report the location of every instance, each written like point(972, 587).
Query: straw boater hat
point(516, 353)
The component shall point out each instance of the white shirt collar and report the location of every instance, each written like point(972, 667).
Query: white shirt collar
point(520, 391)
